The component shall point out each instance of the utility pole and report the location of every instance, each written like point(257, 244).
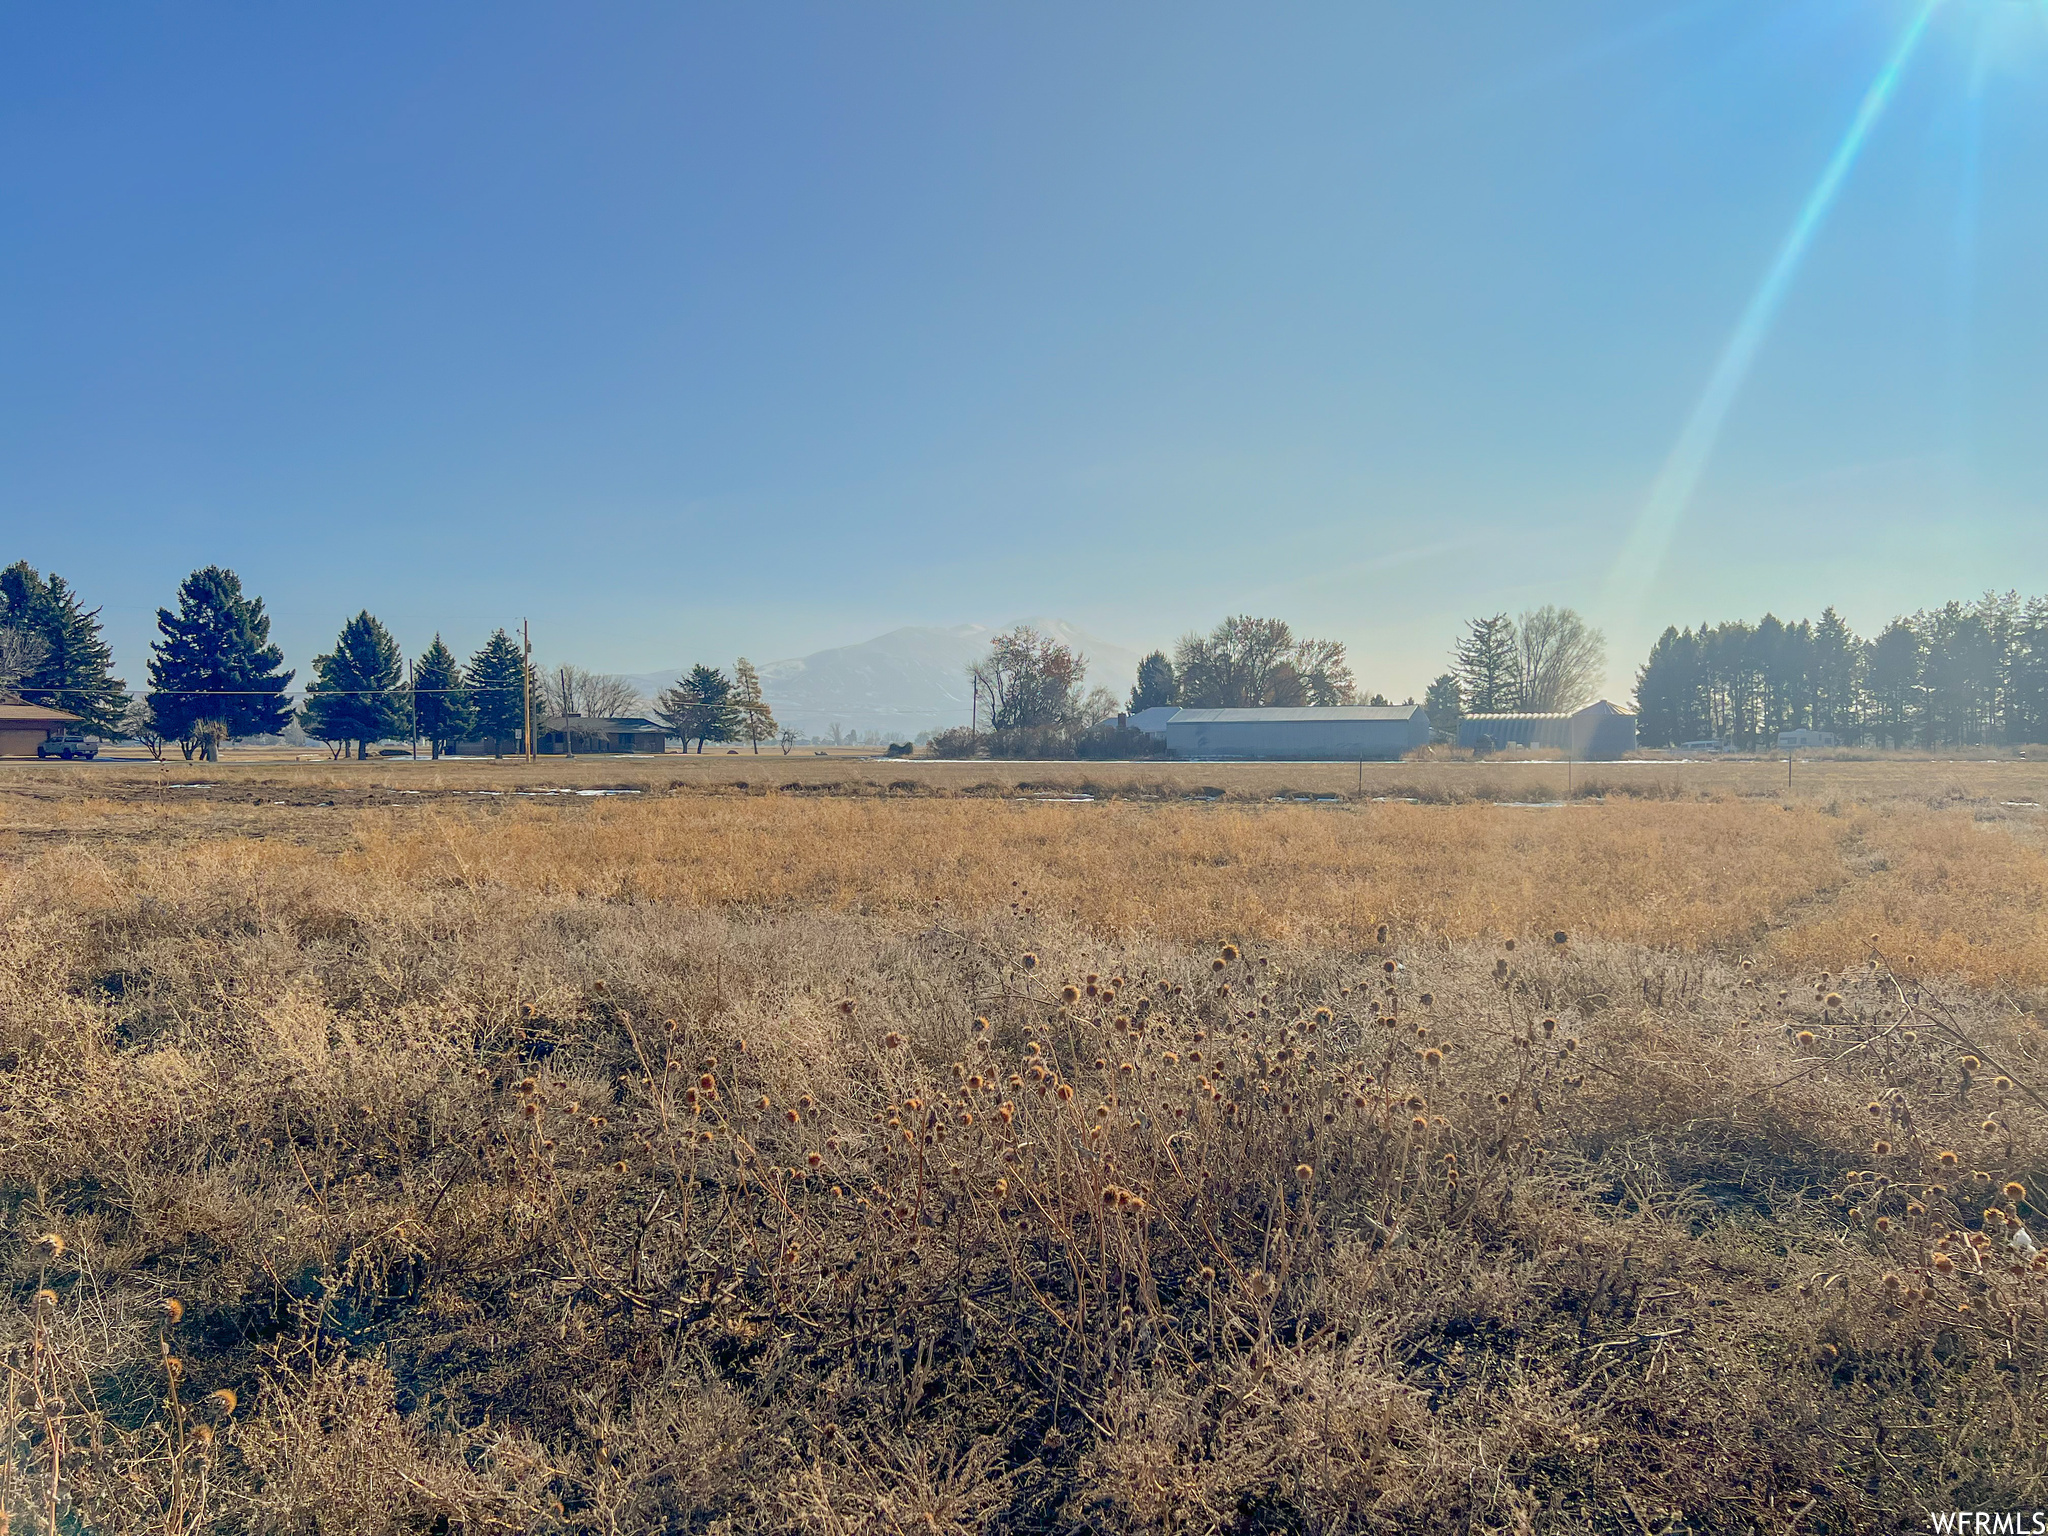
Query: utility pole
point(412, 678)
point(526, 682)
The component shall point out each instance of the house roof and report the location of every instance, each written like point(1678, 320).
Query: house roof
point(601, 725)
point(16, 713)
point(1308, 716)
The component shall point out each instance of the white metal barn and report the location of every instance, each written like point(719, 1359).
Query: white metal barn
point(1347, 733)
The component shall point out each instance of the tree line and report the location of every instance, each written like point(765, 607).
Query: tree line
point(1962, 674)
point(1031, 697)
point(1248, 663)
point(215, 676)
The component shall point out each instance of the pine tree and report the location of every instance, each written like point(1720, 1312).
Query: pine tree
point(358, 689)
point(497, 678)
point(1445, 703)
point(441, 701)
point(76, 668)
point(2027, 708)
point(756, 722)
point(1485, 666)
point(1892, 667)
point(214, 674)
point(699, 708)
point(1157, 686)
point(1668, 706)
point(1837, 677)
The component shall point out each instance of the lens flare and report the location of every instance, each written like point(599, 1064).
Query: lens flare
point(1649, 541)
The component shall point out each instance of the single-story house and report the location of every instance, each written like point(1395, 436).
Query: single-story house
point(1335, 733)
point(593, 733)
point(1597, 733)
point(1808, 738)
point(24, 727)
point(600, 733)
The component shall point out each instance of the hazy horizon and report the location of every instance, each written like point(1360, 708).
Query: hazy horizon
point(692, 333)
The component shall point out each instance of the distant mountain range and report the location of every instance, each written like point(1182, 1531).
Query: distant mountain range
point(909, 680)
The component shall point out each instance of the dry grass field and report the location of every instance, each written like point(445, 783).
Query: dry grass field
point(859, 1147)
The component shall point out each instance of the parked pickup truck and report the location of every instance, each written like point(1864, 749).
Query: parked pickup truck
point(67, 745)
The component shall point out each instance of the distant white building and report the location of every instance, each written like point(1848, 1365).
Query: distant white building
point(1806, 738)
point(1337, 733)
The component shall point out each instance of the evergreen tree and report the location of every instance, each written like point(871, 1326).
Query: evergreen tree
point(756, 722)
point(1959, 675)
point(76, 668)
point(1781, 676)
point(2027, 689)
point(441, 701)
point(214, 675)
point(1485, 666)
point(1893, 670)
point(1156, 685)
point(358, 690)
point(1837, 677)
point(700, 708)
point(1445, 703)
point(1670, 707)
point(2004, 617)
point(497, 678)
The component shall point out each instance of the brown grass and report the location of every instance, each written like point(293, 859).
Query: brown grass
point(1911, 780)
point(402, 1107)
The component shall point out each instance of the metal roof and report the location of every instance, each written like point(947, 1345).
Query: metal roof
point(1309, 716)
point(1598, 706)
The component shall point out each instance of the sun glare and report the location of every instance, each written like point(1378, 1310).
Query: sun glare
point(1649, 541)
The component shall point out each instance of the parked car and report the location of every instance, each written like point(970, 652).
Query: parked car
point(67, 745)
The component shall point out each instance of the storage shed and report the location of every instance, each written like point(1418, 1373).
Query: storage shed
point(1597, 733)
point(1342, 733)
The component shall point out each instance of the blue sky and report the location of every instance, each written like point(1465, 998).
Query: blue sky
point(688, 331)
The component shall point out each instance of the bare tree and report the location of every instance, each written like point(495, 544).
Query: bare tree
point(573, 691)
point(1032, 681)
point(1098, 706)
point(21, 652)
point(1325, 675)
point(604, 693)
point(1559, 660)
point(139, 721)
